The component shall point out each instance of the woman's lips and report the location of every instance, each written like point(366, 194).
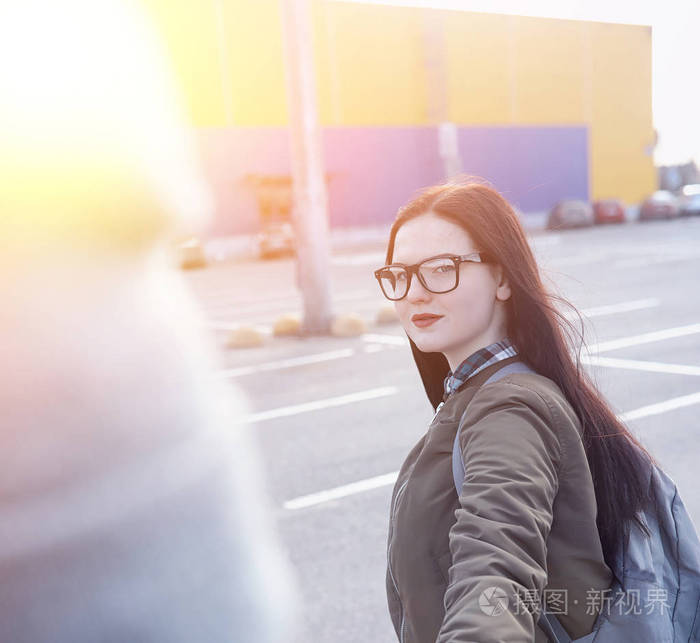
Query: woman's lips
point(423, 321)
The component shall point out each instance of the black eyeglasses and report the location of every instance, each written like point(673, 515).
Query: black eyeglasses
point(438, 274)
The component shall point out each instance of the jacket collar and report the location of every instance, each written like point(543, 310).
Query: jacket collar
point(477, 362)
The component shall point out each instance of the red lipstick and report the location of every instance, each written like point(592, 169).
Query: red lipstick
point(425, 319)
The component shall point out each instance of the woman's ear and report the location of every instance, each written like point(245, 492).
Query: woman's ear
point(503, 287)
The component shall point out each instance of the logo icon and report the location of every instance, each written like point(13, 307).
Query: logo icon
point(493, 601)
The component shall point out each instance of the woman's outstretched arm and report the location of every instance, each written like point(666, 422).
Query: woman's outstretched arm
point(512, 453)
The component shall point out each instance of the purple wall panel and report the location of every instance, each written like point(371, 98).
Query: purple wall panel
point(228, 156)
point(373, 170)
point(533, 167)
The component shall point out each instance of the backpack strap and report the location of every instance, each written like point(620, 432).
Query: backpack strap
point(457, 463)
point(554, 630)
point(549, 623)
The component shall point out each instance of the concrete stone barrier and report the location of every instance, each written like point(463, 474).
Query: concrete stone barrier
point(349, 325)
point(387, 315)
point(245, 337)
point(286, 325)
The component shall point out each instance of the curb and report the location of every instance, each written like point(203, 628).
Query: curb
point(244, 247)
point(289, 325)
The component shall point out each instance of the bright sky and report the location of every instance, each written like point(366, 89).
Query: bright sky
point(675, 50)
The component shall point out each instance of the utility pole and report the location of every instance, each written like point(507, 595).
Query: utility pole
point(224, 61)
point(310, 200)
point(436, 75)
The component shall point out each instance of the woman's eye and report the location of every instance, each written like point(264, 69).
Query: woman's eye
point(445, 268)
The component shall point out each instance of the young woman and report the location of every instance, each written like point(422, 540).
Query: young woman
point(552, 478)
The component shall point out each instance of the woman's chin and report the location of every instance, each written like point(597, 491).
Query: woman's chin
point(427, 344)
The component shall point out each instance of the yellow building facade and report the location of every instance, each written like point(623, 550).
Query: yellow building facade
point(409, 68)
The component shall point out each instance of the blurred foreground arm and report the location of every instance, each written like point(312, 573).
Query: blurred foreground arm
point(130, 505)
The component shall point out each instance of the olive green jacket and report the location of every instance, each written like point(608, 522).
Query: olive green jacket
point(474, 568)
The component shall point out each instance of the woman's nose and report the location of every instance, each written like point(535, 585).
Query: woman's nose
point(416, 291)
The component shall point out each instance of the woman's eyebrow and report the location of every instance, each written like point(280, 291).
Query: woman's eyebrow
point(444, 254)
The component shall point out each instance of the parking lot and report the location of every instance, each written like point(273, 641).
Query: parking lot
point(335, 417)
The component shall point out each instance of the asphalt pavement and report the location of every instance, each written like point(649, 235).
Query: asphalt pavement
point(335, 417)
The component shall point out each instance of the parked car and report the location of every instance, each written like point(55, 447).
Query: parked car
point(570, 214)
point(276, 240)
point(609, 211)
point(690, 200)
point(660, 205)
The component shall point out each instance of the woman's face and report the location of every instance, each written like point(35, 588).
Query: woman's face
point(466, 319)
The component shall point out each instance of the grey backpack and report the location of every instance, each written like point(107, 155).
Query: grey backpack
point(655, 595)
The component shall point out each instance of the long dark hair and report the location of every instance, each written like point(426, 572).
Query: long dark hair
point(549, 343)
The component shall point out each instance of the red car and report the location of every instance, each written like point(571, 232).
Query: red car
point(660, 205)
point(570, 213)
point(609, 211)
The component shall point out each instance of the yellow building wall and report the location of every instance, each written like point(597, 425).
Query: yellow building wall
point(187, 31)
point(533, 71)
point(370, 65)
point(228, 59)
point(371, 71)
point(621, 132)
point(514, 70)
point(479, 74)
point(549, 78)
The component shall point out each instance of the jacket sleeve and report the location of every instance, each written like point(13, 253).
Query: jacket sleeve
point(511, 453)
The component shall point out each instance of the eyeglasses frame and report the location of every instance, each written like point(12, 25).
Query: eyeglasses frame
point(472, 257)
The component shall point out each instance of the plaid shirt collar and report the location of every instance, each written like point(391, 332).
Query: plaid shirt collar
point(477, 362)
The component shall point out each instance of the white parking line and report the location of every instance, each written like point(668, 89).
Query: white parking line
point(342, 491)
point(622, 307)
point(230, 292)
point(554, 263)
point(366, 259)
point(316, 405)
point(390, 340)
point(287, 363)
point(597, 311)
point(642, 262)
point(224, 325)
point(544, 240)
point(389, 478)
point(644, 338)
point(375, 342)
point(638, 365)
point(290, 303)
point(661, 407)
